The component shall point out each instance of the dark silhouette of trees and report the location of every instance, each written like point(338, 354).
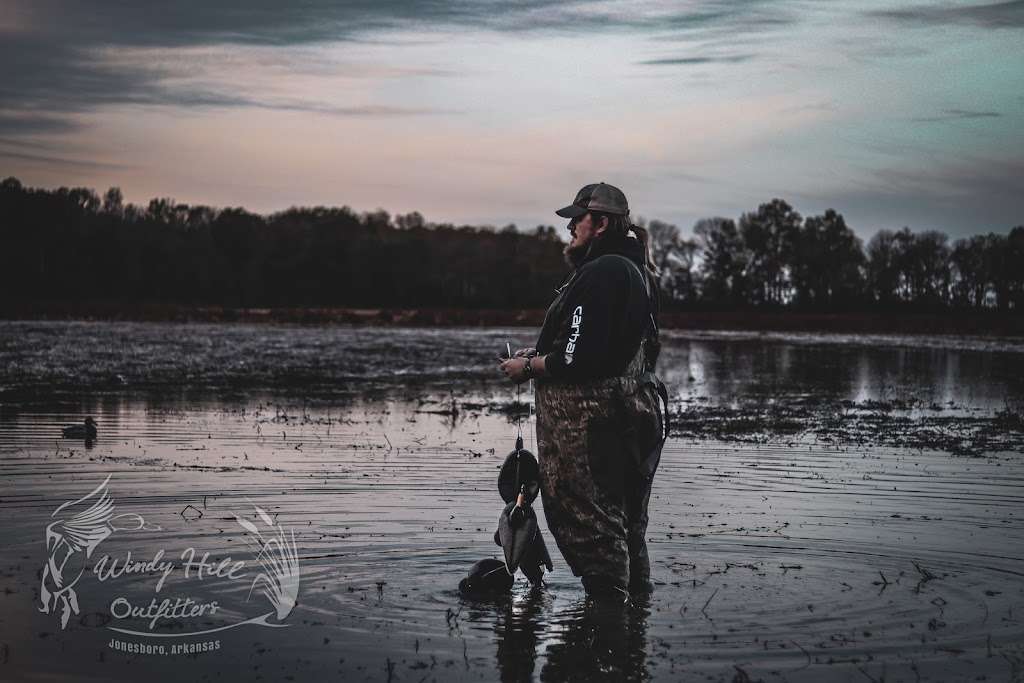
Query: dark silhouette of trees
point(883, 268)
point(724, 268)
point(774, 259)
point(71, 245)
point(975, 264)
point(113, 202)
point(828, 264)
point(675, 259)
point(770, 235)
point(910, 268)
point(1009, 283)
point(924, 267)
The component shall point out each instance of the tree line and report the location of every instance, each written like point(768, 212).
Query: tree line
point(773, 257)
point(70, 244)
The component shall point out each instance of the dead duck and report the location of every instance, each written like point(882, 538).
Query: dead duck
point(82, 431)
point(523, 544)
point(518, 532)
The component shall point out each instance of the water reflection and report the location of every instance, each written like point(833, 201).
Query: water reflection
point(599, 640)
point(726, 370)
point(592, 640)
point(168, 364)
point(519, 629)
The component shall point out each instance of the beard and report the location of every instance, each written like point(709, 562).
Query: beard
point(574, 256)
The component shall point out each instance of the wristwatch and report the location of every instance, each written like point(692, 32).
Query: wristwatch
point(528, 368)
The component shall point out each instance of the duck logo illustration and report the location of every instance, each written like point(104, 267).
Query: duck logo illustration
point(80, 526)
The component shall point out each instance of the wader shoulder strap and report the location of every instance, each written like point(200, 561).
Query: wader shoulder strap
point(649, 376)
point(647, 288)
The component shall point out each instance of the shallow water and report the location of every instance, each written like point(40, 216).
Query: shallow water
point(792, 558)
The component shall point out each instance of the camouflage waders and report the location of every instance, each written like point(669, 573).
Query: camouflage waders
point(595, 494)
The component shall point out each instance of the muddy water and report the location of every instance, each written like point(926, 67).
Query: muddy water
point(785, 557)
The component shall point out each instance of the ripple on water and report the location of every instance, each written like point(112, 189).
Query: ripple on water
point(803, 562)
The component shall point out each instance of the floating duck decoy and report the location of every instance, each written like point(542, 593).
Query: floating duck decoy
point(519, 470)
point(487, 577)
point(82, 431)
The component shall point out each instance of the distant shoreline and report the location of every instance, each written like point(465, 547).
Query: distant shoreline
point(949, 323)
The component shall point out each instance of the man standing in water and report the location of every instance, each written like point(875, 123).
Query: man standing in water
point(599, 422)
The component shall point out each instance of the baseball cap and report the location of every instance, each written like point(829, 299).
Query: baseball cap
point(596, 197)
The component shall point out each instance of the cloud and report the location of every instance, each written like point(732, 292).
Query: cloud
point(270, 22)
point(733, 19)
point(957, 115)
point(695, 61)
point(66, 80)
point(992, 15)
point(367, 110)
point(31, 123)
point(963, 197)
point(953, 182)
point(62, 161)
point(66, 57)
point(60, 78)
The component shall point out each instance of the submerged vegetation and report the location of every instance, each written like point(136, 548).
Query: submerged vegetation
point(900, 424)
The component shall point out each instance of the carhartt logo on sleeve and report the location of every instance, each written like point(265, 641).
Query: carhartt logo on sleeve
point(577, 323)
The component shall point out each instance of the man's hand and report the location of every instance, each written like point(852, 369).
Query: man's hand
point(514, 368)
point(526, 353)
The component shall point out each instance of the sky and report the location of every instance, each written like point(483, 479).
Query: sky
point(893, 113)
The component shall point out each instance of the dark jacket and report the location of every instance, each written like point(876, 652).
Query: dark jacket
point(595, 325)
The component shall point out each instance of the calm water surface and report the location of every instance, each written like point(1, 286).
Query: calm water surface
point(789, 559)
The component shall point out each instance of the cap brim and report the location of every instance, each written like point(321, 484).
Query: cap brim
point(571, 211)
